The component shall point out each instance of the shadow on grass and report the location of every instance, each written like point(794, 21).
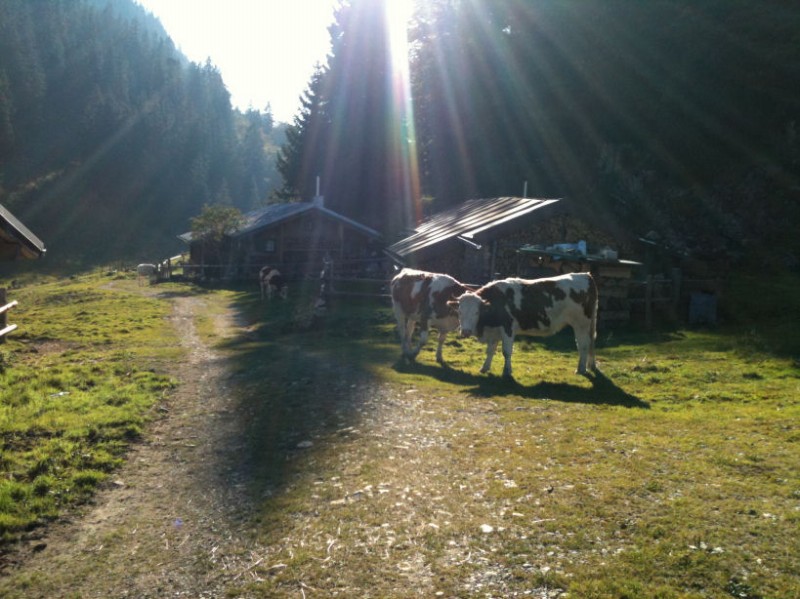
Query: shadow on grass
point(602, 392)
point(301, 389)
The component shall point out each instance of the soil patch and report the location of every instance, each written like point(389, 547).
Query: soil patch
point(172, 521)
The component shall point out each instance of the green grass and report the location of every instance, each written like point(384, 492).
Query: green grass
point(77, 382)
point(672, 473)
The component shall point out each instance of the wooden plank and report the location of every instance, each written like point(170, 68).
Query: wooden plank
point(7, 330)
point(357, 294)
point(614, 271)
point(8, 306)
point(606, 315)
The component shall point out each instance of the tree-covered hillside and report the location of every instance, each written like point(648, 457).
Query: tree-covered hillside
point(677, 116)
point(110, 139)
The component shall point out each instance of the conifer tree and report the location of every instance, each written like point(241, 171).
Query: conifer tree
point(342, 134)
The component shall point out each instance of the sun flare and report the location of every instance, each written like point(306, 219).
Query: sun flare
point(398, 15)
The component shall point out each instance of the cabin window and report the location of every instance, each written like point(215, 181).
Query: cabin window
point(269, 245)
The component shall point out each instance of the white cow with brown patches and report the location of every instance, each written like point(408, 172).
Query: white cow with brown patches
point(420, 297)
point(502, 309)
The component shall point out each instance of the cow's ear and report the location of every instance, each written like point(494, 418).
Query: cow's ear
point(452, 304)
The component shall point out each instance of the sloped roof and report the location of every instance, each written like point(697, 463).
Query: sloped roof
point(274, 214)
point(16, 241)
point(467, 221)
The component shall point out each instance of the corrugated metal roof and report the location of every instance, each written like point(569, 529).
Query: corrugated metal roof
point(467, 220)
point(17, 238)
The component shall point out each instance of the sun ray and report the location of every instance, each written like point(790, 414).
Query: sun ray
point(405, 163)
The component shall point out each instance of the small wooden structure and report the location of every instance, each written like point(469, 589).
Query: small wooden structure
point(479, 240)
point(614, 277)
point(294, 238)
point(492, 238)
point(16, 243)
point(16, 240)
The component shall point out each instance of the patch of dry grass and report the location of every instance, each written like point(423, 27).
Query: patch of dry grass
point(672, 474)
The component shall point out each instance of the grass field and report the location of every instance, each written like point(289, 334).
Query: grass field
point(672, 473)
point(77, 381)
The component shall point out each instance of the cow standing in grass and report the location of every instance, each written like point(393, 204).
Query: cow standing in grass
point(422, 297)
point(272, 281)
point(498, 311)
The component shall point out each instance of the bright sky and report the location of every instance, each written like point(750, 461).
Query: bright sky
point(265, 49)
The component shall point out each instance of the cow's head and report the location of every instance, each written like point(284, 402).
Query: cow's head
point(469, 307)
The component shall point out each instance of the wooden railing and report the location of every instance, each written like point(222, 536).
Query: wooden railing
point(5, 328)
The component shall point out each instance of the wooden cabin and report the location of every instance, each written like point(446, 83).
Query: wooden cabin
point(487, 239)
point(294, 238)
point(16, 241)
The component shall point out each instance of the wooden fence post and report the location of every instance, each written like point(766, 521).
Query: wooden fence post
point(676, 291)
point(323, 303)
point(648, 302)
point(4, 315)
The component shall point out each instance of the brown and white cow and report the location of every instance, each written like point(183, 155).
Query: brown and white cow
point(502, 309)
point(422, 297)
point(272, 281)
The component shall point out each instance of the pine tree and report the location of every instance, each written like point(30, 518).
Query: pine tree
point(298, 162)
point(343, 133)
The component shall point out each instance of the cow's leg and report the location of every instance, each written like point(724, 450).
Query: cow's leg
point(491, 347)
point(491, 337)
point(439, 356)
point(407, 332)
point(583, 340)
point(405, 329)
point(508, 346)
point(423, 338)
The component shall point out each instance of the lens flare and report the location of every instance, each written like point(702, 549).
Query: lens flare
point(404, 159)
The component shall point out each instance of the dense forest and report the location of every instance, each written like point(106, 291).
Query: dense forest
point(110, 139)
point(680, 118)
point(677, 117)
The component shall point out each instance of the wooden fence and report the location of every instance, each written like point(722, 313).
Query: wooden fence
point(656, 298)
point(5, 328)
point(675, 298)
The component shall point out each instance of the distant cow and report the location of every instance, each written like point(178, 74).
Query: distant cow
point(501, 309)
point(272, 281)
point(421, 297)
point(146, 271)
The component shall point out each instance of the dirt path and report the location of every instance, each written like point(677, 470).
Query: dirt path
point(171, 524)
